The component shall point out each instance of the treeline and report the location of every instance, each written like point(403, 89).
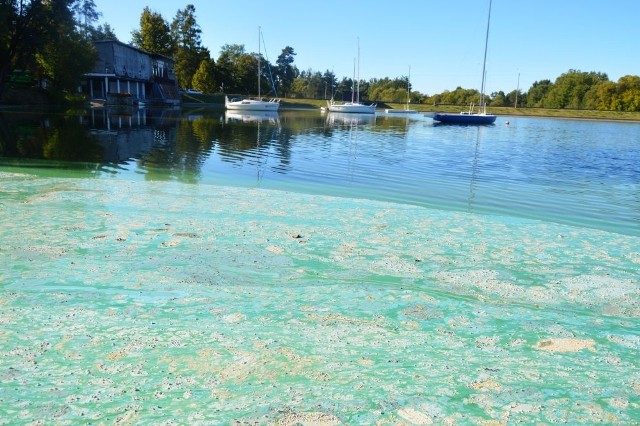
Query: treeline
point(51, 41)
point(48, 42)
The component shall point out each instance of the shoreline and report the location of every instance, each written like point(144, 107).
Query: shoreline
point(312, 104)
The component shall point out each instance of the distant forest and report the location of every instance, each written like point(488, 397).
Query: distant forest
point(51, 41)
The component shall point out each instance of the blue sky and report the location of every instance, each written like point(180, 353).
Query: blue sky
point(442, 41)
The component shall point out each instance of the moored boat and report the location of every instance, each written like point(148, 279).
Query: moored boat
point(355, 106)
point(471, 117)
point(253, 104)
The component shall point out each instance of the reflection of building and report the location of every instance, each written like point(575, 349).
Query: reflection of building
point(124, 74)
point(127, 133)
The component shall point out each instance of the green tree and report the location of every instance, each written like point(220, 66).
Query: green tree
point(498, 99)
point(628, 88)
point(245, 73)
point(103, 32)
point(189, 52)
point(225, 65)
point(22, 34)
point(285, 71)
point(330, 83)
point(86, 15)
point(537, 93)
point(65, 54)
point(570, 88)
point(154, 35)
point(515, 96)
point(204, 79)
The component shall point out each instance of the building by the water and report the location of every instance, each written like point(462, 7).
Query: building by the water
point(126, 75)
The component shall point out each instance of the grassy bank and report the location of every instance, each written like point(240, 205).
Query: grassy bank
point(290, 103)
point(532, 112)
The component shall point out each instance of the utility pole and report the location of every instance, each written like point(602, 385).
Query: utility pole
point(517, 90)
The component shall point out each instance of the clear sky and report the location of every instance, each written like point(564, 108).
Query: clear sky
point(441, 41)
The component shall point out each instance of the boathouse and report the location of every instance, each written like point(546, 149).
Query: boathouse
point(125, 75)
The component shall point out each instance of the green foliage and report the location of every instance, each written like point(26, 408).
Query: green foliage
point(570, 89)
point(46, 40)
point(387, 90)
point(189, 53)
point(86, 15)
point(49, 40)
point(154, 34)
point(103, 32)
point(285, 71)
point(537, 93)
point(204, 78)
point(63, 62)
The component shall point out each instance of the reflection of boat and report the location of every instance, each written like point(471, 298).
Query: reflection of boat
point(350, 118)
point(354, 106)
point(252, 116)
point(253, 104)
point(97, 103)
point(351, 107)
point(469, 117)
point(406, 109)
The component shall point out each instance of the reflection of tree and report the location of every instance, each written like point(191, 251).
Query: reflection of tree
point(254, 141)
point(61, 138)
point(70, 141)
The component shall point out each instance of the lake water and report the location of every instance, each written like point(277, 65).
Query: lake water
point(202, 268)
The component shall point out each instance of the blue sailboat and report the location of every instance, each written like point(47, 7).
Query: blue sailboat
point(470, 117)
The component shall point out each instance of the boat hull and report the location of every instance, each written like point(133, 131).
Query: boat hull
point(464, 118)
point(252, 105)
point(349, 107)
point(400, 111)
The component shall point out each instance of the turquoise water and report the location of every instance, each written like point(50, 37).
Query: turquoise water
point(202, 284)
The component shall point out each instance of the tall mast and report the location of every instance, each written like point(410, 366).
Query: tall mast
point(408, 88)
point(484, 62)
point(259, 31)
point(353, 85)
point(358, 86)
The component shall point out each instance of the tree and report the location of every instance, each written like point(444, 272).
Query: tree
point(570, 88)
point(154, 35)
point(245, 71)
point(22, 33)
point(499, 99)
point(537, 93)
point(65, 54)
point(226, 64)
point(86, 15)
point(189, 52)
point(204, 78)
point(286, 72)
point(103, 32)
point(330, 83)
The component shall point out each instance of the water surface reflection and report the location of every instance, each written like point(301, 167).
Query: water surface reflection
point(560, 170)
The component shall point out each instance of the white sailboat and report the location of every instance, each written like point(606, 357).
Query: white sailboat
point(406, 109)
point(470, 117)
point(354, 106)
point(253, 104)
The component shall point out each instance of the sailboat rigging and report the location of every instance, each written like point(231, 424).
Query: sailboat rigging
point(406, 109)
point(470, 117)
point(253, 104)
point(354, 106)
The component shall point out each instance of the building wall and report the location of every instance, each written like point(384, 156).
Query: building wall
point(124, 73)
point(131, 63)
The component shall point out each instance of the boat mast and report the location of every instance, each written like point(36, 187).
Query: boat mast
point(259, 30)
point(358, 86)
point(353, 84)
point(484, 63)
point(408, 89)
